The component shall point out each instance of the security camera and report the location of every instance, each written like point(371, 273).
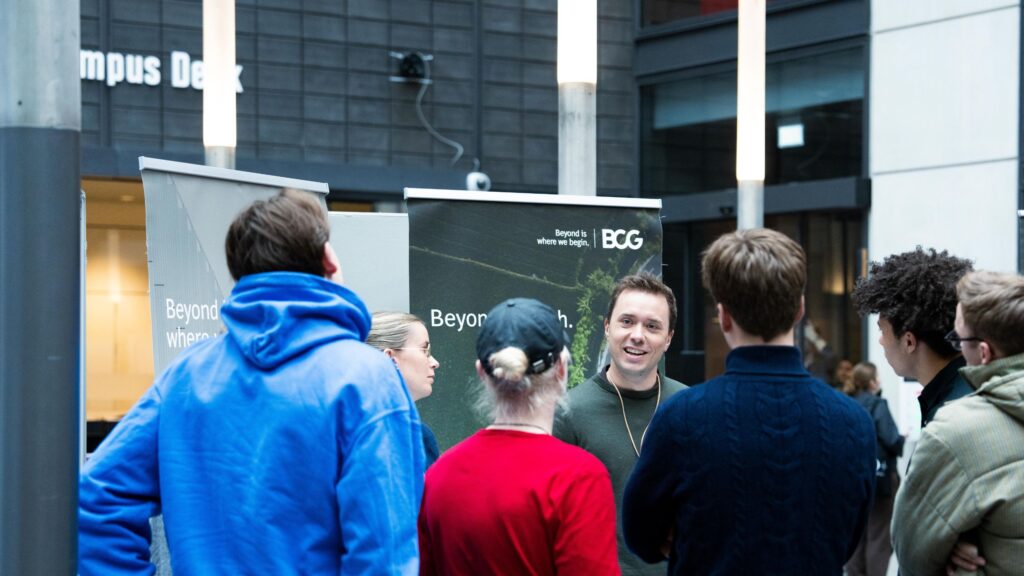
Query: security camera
point(478, 182)
point(412, 67)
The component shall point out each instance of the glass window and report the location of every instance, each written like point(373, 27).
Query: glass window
point(119, 343)
point(814, 116)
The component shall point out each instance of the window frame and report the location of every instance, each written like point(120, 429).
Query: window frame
point(708, 46)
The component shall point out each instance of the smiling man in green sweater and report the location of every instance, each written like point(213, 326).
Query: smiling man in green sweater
point(609, 413)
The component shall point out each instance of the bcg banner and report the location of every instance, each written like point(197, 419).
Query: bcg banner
point(470, 251)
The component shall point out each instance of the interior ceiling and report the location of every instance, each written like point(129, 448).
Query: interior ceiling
point(123, 191)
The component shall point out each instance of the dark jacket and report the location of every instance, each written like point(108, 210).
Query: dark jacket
point(763, 470)
point(948, 385)
point(430, 447)
point(890, 442)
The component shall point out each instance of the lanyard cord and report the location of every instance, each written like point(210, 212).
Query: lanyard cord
point(622, 404)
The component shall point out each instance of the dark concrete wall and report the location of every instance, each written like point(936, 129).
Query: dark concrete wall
point(317, 91)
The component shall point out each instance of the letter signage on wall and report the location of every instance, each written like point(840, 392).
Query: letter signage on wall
point(113, 68)
point(468, 251)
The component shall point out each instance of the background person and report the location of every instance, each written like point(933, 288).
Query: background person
point(403, 338)
point(820, 359)
point(284, 446)
point(612, 410)
point(966, 479)
point(763, 470)
point(844, 375)
point(914, 295)
point(511, 499)
point(871, 558)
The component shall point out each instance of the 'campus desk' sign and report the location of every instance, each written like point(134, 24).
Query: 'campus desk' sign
point(114, 68)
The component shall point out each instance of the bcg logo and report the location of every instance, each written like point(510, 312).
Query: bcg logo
point(621, 239)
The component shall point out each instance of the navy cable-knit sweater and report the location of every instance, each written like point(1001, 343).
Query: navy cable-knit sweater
point(763, 470)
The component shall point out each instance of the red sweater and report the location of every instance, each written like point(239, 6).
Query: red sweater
point(509, 502)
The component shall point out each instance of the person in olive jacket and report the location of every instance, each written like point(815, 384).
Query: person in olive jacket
point(964, 492)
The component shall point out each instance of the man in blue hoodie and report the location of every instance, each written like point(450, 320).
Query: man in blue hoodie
point(285, 446)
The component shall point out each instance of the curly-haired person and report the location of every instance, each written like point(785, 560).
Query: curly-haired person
point(914, 295)
point(964, 492)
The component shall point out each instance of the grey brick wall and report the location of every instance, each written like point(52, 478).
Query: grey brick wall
point(317, 88)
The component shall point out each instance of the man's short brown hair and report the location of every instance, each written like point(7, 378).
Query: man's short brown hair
point(286, 233)
point(992, 304)
point(759, 276)
point(645, 282)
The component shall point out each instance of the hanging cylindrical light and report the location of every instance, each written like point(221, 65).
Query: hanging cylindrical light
point(577, 41)
point(750, 112)
point(219, 115)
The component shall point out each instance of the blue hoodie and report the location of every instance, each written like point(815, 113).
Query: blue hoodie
point(286, 446)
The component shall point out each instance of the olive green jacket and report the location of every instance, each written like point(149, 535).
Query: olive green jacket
point(967, 478)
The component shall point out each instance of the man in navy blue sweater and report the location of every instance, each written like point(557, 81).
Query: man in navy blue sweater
point(765, 469)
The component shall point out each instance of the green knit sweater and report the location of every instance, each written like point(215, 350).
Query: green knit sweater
point(595, 423)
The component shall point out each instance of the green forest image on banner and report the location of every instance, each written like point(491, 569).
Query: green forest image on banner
point(466, 256)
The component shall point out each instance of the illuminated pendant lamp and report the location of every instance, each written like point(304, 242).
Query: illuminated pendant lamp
point(219, 121)
point(750, 109)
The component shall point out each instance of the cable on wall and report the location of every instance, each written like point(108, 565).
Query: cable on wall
point(415, 67)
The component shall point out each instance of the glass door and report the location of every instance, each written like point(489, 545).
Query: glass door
point(831, 330)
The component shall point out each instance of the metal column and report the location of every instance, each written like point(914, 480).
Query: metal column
point(577, 139)
point(750, 204)
point(40, 267)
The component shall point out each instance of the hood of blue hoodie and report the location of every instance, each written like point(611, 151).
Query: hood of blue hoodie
point(275, 316)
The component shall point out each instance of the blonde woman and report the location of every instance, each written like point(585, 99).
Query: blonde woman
point(512, 499)
point(404, 338)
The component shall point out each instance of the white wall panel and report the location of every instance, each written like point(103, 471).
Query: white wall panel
point(887, 14)
point(945, 93)
point(969, 210)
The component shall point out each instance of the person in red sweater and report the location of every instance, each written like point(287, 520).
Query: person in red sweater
point(512, 499)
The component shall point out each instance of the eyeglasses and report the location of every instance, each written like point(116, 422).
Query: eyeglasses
point(957, 341)
point(425, 350)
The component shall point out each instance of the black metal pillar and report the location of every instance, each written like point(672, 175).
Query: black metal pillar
point(40, 267)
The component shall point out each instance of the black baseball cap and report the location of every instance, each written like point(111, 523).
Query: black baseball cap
point(524, 323)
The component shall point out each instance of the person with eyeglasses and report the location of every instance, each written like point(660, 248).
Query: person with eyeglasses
point(963, 497)
point(914, 295)
point(404, 339)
